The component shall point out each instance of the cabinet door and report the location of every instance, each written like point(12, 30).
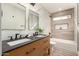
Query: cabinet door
point(44, 42)
point(45, 46)
point(41, 47)
point(19, 51)
point(34, 49)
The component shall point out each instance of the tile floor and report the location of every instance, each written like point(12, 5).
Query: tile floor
point(62, 52)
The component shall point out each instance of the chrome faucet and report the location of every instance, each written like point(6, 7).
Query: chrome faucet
point(16, 35)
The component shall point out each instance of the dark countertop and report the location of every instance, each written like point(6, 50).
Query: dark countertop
point(6, 47)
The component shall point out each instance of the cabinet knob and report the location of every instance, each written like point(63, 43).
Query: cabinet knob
point(31, 51)
point(27, 52)
point(34, 48)
point(45, 41)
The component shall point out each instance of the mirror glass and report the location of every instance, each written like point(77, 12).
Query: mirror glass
point(33, 21)
point(14, 16)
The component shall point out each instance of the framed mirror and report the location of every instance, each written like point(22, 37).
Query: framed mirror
point(14, 16)
point(33, 20)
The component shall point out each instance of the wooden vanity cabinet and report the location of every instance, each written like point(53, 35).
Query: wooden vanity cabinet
point(38, 48)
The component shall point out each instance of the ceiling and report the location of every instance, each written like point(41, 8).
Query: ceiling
point(55, 7)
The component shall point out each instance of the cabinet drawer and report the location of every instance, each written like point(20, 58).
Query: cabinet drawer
point(21, 51)
point(44, 40)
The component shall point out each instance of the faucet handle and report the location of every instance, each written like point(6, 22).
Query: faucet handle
point(16, 35)
point(26, 36)
point(11, 38)
point(20, 36)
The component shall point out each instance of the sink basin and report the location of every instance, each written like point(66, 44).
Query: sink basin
point(40, 36)
point(12, 43)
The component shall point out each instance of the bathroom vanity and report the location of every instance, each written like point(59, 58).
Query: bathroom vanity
point(14, 18)
point(37, 46)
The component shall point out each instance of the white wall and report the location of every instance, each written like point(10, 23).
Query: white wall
point(78, 27)
point(75, 26)
point(0, 30)
point(44, 21)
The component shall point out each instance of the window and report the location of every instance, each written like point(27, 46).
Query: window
point(62, 17)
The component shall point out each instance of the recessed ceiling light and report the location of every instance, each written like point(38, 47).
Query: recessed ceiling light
point(60, 9)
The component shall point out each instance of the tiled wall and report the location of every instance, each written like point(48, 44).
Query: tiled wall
point(64, 34)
